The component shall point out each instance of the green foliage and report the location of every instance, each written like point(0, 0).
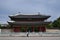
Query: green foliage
point(36, 29)
point(5, 27)
point(29, 29)
point(0, 26)
point(49, 26)
point(56, 23)
point(22, 29)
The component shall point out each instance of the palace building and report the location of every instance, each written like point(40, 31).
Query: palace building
point(28, 23)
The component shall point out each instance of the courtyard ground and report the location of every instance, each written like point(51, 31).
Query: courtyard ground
point(29, 38)
point(49, 35)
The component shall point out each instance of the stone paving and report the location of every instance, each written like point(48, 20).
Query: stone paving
point(29, 38)
point(32, 36)
point(48, 33)
point(45, 34)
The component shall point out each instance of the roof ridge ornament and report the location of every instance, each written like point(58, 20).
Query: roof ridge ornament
point(16, 14)
point(19, 13)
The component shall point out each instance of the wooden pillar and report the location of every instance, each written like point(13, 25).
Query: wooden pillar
point(32, 28)
point(20, 29)
point(39, 27)
point(16, 29)
point(43, 29)
point(25, 29)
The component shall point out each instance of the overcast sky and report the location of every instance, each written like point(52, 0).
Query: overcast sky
point(46, 7)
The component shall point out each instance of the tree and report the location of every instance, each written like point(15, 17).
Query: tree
point(0, 26)
point(56, 23)
point(49, 26)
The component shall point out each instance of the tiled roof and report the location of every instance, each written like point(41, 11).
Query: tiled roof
point(29, 16)
point(38, 22)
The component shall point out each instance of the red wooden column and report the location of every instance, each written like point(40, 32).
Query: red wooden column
point(25, 29)
point(32, 28)
point(39, 28)
point(16, 29)
point(43, 29)
point(20, 29)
